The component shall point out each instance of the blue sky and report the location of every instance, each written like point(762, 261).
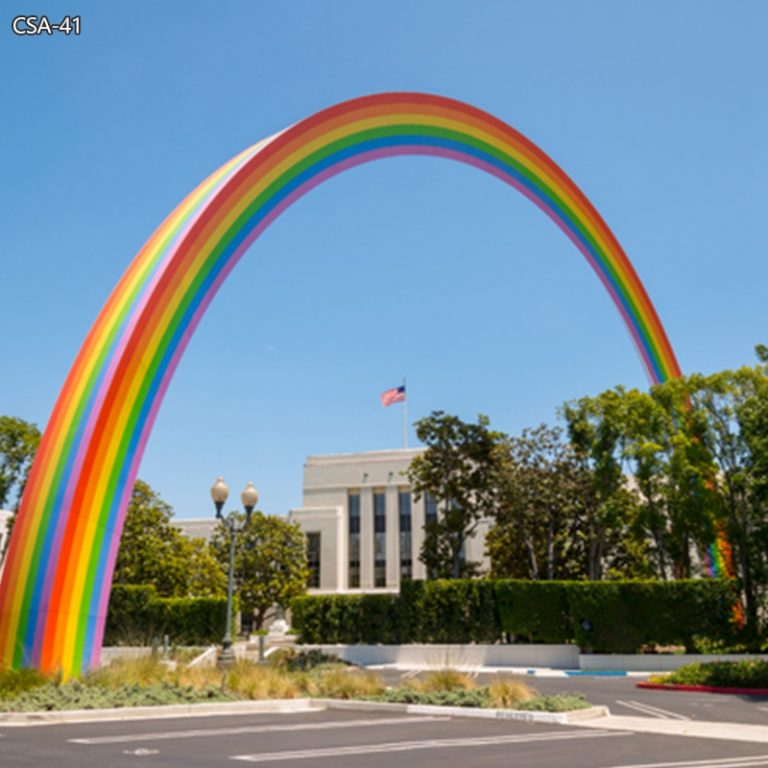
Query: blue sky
point(410, 267)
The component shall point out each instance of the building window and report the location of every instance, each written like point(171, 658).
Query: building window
point(313, 558)
point(353, 504)
point(406, 556)
point(430, 509)
point(379, 539)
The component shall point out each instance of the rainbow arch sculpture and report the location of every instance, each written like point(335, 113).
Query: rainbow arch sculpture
point(56, 583)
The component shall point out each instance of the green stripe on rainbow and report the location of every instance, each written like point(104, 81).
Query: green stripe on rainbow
point(55, 587)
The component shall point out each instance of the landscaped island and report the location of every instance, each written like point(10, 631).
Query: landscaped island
point(150, 681)
point(749, 676)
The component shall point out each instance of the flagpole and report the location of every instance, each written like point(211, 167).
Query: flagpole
point(405, 415)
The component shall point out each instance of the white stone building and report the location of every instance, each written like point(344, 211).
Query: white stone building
point(196, 527)
point(364, 529)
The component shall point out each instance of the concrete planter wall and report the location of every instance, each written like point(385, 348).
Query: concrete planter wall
point(567, 657)
point(439, 656)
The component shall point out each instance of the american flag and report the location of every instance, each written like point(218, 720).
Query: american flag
point(394, 395)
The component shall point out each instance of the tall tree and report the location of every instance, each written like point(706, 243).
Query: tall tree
point(595, 434)
point(734, 407)
point(270, 562)
point(18, 443)
point(535, 535)
point(152, 551)
point(461, 469)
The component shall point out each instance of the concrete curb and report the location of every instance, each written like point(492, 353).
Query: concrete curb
point(562, 718)
point(288, 706)
point(159, 712)
point(702, 689)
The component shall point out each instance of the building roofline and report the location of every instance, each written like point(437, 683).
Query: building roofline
point(380, 455)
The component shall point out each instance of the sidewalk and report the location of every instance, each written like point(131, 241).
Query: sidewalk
point(700, 729)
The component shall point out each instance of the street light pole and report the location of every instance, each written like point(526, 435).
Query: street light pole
point(249, 497)
point(227, 657)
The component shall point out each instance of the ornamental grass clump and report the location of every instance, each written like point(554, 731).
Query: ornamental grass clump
point(341, 683)
point(442, 680)
point(14, 682)
point(142, 671)
point(253, 681)
point(506, 693)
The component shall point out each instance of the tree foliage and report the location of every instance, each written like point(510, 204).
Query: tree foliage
point(644, 485)
point(18, 443)
point(538, 524)
point(460, 469)
point(154, 552)
point(270, 561)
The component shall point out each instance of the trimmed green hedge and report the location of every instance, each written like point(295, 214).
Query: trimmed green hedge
point(619, 617)
point(348, 619)
point(534, 611)
point(137, 616)
point(450, 611)
point(602, 616)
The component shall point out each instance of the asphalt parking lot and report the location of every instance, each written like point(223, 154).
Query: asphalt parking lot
point(622, 697)
point(336, 739)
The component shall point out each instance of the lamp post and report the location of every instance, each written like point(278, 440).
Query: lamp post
point(249, 497)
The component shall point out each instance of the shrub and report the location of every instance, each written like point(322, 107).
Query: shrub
point(475, 698)
point(131, 618)
point(558, 702)
point(302, 661)
point(721, 674)
point(601, 616)
point(14, 682)
point(137, 616)
point(347, 619)
point(622, 616)
point(449, 611)
point(602, 620)
point(536, 611)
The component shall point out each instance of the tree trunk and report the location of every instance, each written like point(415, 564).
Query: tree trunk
point(456, 560)
point(662, 556)
point(529, 545)
point(551, 549)
point(259, 617)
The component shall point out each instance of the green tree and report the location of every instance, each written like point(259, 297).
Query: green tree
point(652, 474)
point(733, 407)
point(535, 535)
point(18, 444)
point(461, 469)
point(595, 432)
point(153, 551)
point(270, 562)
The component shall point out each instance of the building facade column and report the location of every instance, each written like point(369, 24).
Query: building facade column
point(393, 536)
point(417, 537)
point(366, 538)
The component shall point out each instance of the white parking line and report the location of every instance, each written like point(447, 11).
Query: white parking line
point(647, 709)
point(408, 746)
point(723, 762)
point(127, 738)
